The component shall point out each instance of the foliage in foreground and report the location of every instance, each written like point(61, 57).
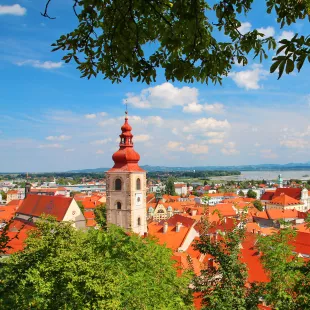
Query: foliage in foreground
point(62, 268)
point(190, 40)
point(223, 284)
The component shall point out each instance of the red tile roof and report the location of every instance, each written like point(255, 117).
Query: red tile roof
point(301, 243)
point(289, 191)
point(267, 195)
point(36, 205)
point(249, 256)
point(284, 200)
point(171, 238)
point(19, 228)
point(177, 218)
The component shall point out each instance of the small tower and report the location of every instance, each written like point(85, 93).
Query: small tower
point(158, 195)
point(280, 181)
point(126, 186)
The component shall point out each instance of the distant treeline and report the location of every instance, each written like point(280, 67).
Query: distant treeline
point(191, 174)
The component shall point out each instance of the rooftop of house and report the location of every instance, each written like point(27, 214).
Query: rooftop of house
point(36, 205)
point(284, 200)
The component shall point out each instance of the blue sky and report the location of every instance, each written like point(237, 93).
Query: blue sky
point(51, 120)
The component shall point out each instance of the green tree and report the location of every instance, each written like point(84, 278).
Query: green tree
point(251, 194)
point(81, 206)
point(136, 39)
point(258, 205)
point(3, 194)
point(63, 268)
point(170, 189)
point(101, 215)
point(241, 193)
point(223, 284)
point(288, 287)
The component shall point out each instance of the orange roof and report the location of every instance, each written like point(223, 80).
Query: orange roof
point(15, 202)
point(20, 229)
point(90, 223)
point(225, 209)
point(7, 213)
point(171, 238)
point(302, 243)
point(276, 214)
point(182, 259)
point(89, 215)
point(61, 188)
point(267, 195)
point(289, 191)
point(12, 192)
point(284, 200)
point(250, 256)
point(36, 205)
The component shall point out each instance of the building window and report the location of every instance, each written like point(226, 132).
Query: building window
point(118, 205)
point(138, 184)
point(139, 221)
point(118, 184)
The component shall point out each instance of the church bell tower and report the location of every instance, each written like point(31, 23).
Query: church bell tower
point(126, 186)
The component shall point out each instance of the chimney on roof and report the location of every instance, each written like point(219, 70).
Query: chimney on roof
point(254, 230)
point(259, 232)
point(178, 226)
point(145, 234)
point(165, 229)
point(194, 212)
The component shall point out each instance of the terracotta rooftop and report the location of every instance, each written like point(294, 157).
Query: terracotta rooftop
point(36, 205)
point(284, 200)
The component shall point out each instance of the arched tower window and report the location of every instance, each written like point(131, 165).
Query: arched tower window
point(139, 221)
point(118, 205)
point(118, 184)
point(138, 184)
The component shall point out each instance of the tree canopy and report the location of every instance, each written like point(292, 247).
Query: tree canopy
point(191, 40)
point(62, 268)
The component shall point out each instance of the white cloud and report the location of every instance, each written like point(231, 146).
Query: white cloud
point(268, 153)
point(245, 27)
point(175, 146)
point(58, 138)
point(162, 96)
point(154, 120)
point(198, 149)
point(215, 141)
point(268, 31)
point(39, 64)
point(52, 146)
point(100, 142)
point(230, 149)
point(215, 134)
point(288, 35)
point(215, 108)
point(249, 79)
point(141, 138)
point(69, 150)
point(205, 124)
point(90, 116)
point(100, 152)
point(103, 114)
point(193, 107)
point(14, 9)
point(256, 144)
point(295, 143)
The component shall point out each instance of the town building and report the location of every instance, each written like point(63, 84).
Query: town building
point(126, 186)
point(15, 194)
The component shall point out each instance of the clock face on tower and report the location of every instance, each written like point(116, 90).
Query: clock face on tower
point(138, 199)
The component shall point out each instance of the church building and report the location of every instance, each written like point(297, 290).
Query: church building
point(126, 186)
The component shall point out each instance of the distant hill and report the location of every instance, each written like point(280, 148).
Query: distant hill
point(263, 167)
